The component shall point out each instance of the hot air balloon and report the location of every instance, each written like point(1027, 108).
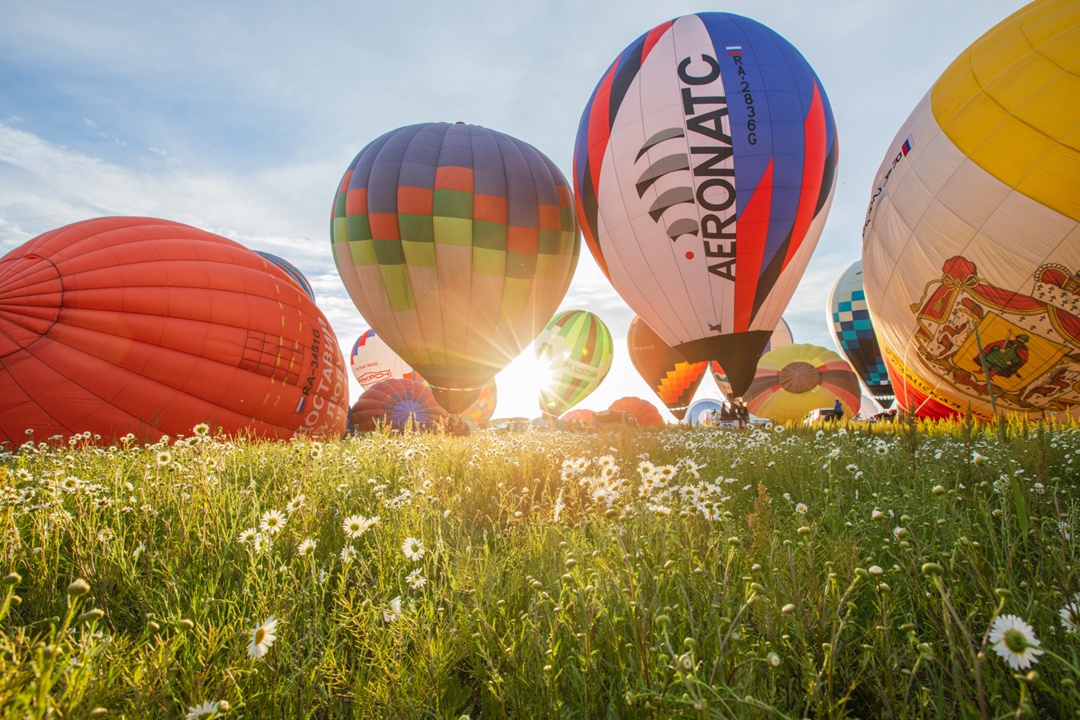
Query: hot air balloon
point(372, 360)
point(643, 411)
point(578, 416)
point(704, 168)
point(483, 408)
point(854, 333)
point(291, 270)
point(396, 403)
point(576, 347)
point(136, 325)
point(700, 411)
point(456, 244)
point(971, 246)
point(663, 369)
point(780, 337)
point(795, 379)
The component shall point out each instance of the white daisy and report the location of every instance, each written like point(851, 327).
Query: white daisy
point(356, 525)
point(393, 610)
point(306, 547)
point(1070, 614)
point(248, 536)
point(272, 522)
point(413, 549)
point(415, 579)
point(202, 710)
point(262, 638)
point(1015, 641)
point(801, 508)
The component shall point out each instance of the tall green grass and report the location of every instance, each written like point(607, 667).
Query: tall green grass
point(779, 572)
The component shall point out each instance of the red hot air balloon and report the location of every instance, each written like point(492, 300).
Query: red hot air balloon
point(643, 411)
point(704, 168)
point(672, 378)
point(135, 325)
point(396, 402)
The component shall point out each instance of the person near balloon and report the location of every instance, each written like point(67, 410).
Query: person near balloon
point(838, 411)
point(742, 413)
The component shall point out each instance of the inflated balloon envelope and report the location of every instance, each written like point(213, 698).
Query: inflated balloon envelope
point(456, 243)
point(971, 244)
point(704, 168)
point(137, 325)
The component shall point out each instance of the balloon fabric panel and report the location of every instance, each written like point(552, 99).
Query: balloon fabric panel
point(849, 317)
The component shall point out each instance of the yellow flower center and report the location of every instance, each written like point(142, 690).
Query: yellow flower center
point(1015, 640)
point(260, 635)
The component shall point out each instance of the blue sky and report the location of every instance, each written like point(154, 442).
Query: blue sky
point(240, 117)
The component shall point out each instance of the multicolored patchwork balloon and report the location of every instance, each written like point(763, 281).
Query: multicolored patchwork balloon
point(795, 379)
point(483, 408)
point(576, 346)
point(457, 244)
point(665, 371)
point(849, 317)
point(704, 168)
point(971, 245)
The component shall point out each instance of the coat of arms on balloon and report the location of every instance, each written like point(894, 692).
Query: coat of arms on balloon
point(1030, 342)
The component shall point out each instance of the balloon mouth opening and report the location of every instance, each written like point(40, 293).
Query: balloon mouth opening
point(799, 377)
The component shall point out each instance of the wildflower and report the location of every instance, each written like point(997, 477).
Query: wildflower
point(202, 429)
point(876, 570)
point(835, 452)
point(938, 489)
point(356, 525)
point(347, 554)
point(876, 514)
point(409, 453)
point(1063, 528)
point(789, 608)
point(262, 638)
point(295, 504)
point(164, 458)
point(1015, 641)
point(204, 709)
point(248, 536)
point(306, 547)
point(393, 610)
point(1070, 614)
point(415, 579)
point(978, 459)
point(801, 508)
point(272, 522)
point(773, 660)
point(413, 549)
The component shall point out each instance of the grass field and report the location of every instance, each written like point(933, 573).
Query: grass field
point(908, 571)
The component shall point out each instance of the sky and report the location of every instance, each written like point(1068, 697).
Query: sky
point(241, 117)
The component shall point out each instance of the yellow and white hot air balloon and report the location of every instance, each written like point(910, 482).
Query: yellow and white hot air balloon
point(971, 246)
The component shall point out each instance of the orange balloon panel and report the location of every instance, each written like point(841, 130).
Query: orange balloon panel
point(135, 325)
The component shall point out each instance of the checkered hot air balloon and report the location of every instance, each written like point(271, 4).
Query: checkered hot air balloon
point(704, 168)
point(457, 244)
point(971, 244)
point(849, 317)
